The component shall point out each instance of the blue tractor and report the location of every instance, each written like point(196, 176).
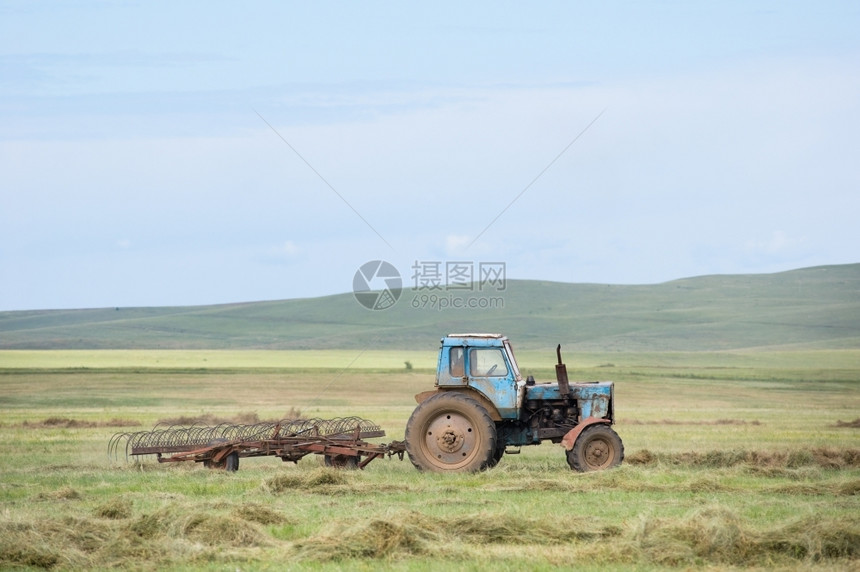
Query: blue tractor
point(482, 408)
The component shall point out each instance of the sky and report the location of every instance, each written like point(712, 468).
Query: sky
point(184, 153)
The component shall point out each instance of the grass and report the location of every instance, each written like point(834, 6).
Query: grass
point(742, 460)
point(811, 308)
point(389, 361)
point(185, 360)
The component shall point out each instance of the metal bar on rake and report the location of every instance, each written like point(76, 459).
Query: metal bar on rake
point(175, 439)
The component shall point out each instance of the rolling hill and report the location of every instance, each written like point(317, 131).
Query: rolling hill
point(809, 308)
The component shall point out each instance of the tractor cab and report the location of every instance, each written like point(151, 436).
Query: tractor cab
point(485, 363)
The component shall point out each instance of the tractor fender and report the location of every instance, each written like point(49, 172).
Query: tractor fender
point(424, 396)
point(571, 436)
point(476, 395)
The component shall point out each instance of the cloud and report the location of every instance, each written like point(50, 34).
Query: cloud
point(287, 251)
point(734, 169)
point(290, 248)
point(455, 244)
point(778, 242)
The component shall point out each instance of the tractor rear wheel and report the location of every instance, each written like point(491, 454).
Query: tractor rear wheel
point(598, 447)
point(451, 432)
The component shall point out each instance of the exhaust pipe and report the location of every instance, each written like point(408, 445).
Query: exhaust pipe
point(561, 374)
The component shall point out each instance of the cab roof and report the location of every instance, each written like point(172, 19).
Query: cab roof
point(497, 336)
point(486, 340)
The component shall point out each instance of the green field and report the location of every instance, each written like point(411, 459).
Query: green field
point(806, 309)
point(744, 459)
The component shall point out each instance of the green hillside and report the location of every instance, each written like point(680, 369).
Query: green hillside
point(804, 309)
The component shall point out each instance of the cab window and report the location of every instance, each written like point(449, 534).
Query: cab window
point(487, 362)
point(456, 366)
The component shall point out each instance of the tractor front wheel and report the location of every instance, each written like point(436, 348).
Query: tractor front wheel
point(598, 447)
point(451, 432)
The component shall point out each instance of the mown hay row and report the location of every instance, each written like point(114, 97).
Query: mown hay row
point(198, 525)
point(824, 457)
point(718, 536)
point(117, 538)
point(689, 422)
point(67, 423)
point(322, 480)
point(711, 536)
point(176, 534)
point(244, 418)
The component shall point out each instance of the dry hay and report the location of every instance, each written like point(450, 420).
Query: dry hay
point(66, 423)
point(376, 538)
point(849, 488)
point(712, 536)
point(676, 422)
point(412, 533)
point(322, 480)
point(62, 493)
point(708, 484)
point(487, 529)
point(717, 536)
point(67, 543)
point(161, 539)
point(258, 513)
point(814, 539)
point(115, 509)
point(209, 419)
point(640, 457)
point(243, 418)
point(183, 534)
point(549, 485)
point(206, 527)
point(807, 473)
point(823, 457)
